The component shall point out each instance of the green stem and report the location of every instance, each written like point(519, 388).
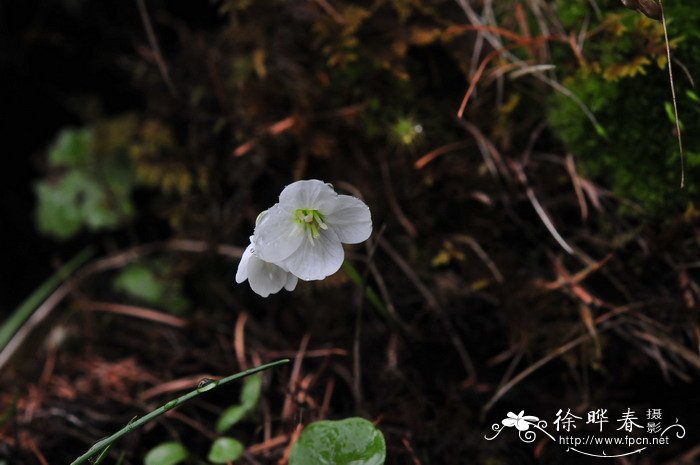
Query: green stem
point(371, 296)
point(26, 308)
point(108, 441)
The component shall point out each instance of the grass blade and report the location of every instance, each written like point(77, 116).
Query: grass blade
point(26, 308)
point(108, 441)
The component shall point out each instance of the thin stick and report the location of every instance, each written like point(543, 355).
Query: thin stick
point(153, 40)
point(532, 368)
point(433, 303)
point(547, 222)
point(239, 340)
point(673, 94)
point(332, 12)
point(108, 441)
point(133, 311)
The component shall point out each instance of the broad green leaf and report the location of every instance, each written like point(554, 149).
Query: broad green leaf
point(75, 200)
point(150, 282)
point(225, 450)
point(250, 394)
point(72, 147)
point(90, 182)
point(230, 417)
point(167, 453)
point(140, 281)
point(353, 441)
point(56, 214)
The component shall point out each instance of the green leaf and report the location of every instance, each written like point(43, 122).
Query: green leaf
point(600, 130)
point(167, 453)
point(90, 182)
point(230, 417)
point(140, 281)
point(371, 296)
point(225, 450)
point(75, 200)
point(58, 213)
point(72, 147)
point(671, 113)
point(150, 281)
point(250, 394)
point(353, 441)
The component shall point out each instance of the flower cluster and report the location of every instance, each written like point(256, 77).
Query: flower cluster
point(301, 237)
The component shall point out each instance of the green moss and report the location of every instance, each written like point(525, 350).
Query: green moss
point(629, 95)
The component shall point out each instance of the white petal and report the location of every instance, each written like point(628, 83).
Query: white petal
point(310, 194)
point(509, 422)
point(260, 216)
point(351, 220)
point(265, 278)
point(242, 272)
point(319, 259)
point(522, 425)
point(291, 283)
point(277, 235)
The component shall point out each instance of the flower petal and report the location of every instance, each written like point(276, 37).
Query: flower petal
point(277, 235)
point(242, 272)
point(265, 278)
point(291, 283)
point(522, 425)
point(313, 261)
point(351, 220)
point(309, 194)
point(509, 422)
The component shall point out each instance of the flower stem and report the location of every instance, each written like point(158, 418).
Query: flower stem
point(108, 441)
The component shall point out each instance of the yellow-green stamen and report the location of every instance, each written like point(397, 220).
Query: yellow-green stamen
point(311, 221)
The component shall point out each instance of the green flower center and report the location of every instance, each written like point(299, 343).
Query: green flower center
point(311, 221)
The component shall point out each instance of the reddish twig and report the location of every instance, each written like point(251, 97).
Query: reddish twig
point(131, 310)
point(239, 340)
point(433, 154)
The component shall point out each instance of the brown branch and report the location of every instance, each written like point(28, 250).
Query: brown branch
point(153, 41)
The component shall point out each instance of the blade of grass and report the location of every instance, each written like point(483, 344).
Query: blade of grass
point(26, 308)
point(371, 296)
point(101, 445)
point(103, 455)
point(673, 93)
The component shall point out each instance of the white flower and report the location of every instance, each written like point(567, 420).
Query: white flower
point(520, 421)
point(264, 278)
point(303, 233)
